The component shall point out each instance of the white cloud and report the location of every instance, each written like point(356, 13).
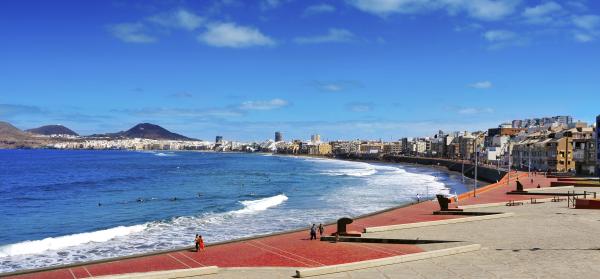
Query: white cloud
point(582, 37)
point(336, 86)
point(499, 35)
point(359, 107)
point(131, 33)
point(503, 38)
point(541, 13)
point(319, 9)
point(588, 28)
point(479, 9)
point(481, 85)
point(587, 22)
point(264, 105)
point(487, 9)
point(184, 112)
point(180, 18)
point(272, 4)
point(332, 87)
point(235, 36)
point(475, 110)
point(334, 35)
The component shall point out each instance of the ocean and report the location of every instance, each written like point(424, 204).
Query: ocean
point(65, 206)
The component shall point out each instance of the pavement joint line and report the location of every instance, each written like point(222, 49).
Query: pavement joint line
point(550, 188)
point(88, 272)
point(192, 259)
point(381, 250)
point(496, 204)
point(315, 271)
point(290, 253)
point(272, 252)
point(436, 223)
point(72, 274)
point(166, 274)
point(178, 260)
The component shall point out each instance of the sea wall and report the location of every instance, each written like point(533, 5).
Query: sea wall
point(484, 173)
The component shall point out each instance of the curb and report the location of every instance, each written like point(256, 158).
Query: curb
point(549, 188)
point(500, 203)
point(436, 223)
point(166, 274)
point(307, 272)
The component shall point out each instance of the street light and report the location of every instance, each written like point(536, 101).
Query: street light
point(529, 166)
point(476, 155)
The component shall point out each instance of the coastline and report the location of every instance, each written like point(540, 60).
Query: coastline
point(254, 237)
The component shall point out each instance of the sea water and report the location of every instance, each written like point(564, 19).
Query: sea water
point(61, 206)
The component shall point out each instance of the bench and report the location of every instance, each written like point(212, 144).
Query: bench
point(557, 199)
point(534, 201)
point(513, 203)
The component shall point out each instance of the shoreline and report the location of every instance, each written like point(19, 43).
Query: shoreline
point(254, 237)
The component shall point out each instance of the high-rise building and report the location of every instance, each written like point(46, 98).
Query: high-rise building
point(598, 145)
point(219, 139)
point(517, 123)
point(564, 119)
point(278, 136)
point(315, 138)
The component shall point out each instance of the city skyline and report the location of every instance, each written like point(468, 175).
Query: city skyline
point(342, 69)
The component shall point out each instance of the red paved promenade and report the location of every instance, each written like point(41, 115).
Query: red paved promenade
point(294, 249)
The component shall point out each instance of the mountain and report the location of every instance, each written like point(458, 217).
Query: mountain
point(146, 131)
point(53, 130)
point(8, 131)
point(11, 137)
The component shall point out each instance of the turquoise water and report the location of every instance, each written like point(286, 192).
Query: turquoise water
point(60, 206)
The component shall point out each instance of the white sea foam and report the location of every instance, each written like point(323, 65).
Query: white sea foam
point(61, 242)
point(68, 241)
point(346, 168)
point(160, 154)
point(253, 206)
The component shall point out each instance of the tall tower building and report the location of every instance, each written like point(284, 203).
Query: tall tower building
point(219, 139)
point(597, 146)
point(315, 138)
point(278, 136)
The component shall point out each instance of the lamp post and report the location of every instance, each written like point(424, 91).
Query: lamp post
point(462, 170)
point(529, 164)
point(475, 185)
point(509, 163)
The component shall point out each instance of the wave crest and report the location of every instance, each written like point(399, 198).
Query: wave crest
point(57, 243)
point(253, 206)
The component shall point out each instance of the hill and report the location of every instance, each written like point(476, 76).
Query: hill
point(8, 131)
point(12, 137)
point(53, 130)
point(146, 131)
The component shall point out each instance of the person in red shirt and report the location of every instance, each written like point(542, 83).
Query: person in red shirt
point(200, 243)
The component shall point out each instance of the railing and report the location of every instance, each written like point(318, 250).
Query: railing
point(572, 197)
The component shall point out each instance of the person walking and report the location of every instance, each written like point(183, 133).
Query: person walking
point(418, 198)
point(313, 232)
point(200, 243)
point(321, 230)
point(197, 242)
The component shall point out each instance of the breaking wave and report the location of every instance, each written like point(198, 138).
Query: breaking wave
point(61, 242)
point(160, 154)
point(253, 206)
point(67, 241)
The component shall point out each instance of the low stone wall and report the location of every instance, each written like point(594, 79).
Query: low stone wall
point(484, 173)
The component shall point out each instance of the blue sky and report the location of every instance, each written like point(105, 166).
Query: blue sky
point(345, 69)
